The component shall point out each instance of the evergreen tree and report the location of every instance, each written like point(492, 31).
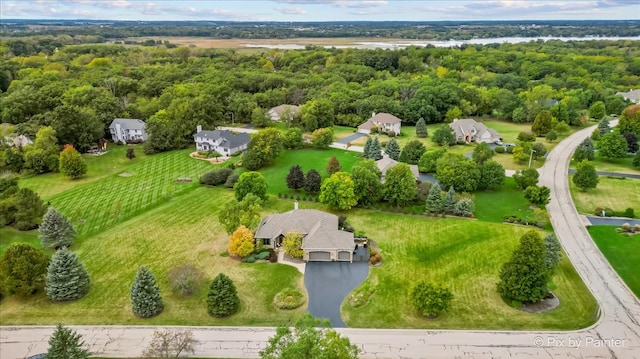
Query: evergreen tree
point(312, 181)
point(295, 178)
point(434, 200)
point(71, 163)
point(222, 300)
point(56, 231)
point(603, 126)
point(131, 154)
point(392, 149)
point(333, 166)
point(145, 295)
point(67, 278)
point(23, 270)
point(584, 151)
point(376, 150)
point(421, 128)
point(367, 147)
point(524, 277)
point(554, 251)
point(586, 176)
point(65, 343)
point(450, 200)
point(542, 124)
point(29, 209)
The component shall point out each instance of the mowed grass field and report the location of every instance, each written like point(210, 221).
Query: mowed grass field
point(619, 165)
point(466, 255)
point(622, 252)
point(615, 193)
point(183, 230)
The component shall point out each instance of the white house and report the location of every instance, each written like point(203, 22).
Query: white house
point(631, 95)
point(128, 129)
point(284, 113)
point(384, 121)
point(468, 130)
point(224, 142)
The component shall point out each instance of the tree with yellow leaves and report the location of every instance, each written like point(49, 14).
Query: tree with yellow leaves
point(241, 242)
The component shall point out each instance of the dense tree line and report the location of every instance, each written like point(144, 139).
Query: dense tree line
point(78, 90)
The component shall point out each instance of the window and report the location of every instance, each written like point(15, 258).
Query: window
point(266, 241)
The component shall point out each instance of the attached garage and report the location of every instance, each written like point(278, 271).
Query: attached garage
point(319, 256)
point(344, 256)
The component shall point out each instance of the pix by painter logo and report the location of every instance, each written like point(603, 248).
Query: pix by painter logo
point(578, 342)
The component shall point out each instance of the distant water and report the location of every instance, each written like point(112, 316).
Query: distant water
point(447, 43)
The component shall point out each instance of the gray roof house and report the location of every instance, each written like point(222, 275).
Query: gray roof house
point(631, 95)
point(283, 113)
point(468, 130)
point(224, 142)
point(127, 130)
point(321, 241)
point(384, 121)
point(386, 162)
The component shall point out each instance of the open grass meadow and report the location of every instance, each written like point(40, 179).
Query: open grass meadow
point(620, 165)
point(182, 230)
point(492, 206)
point(617, 194)
point(622, 252)
point(276, 174)
point(466, 255)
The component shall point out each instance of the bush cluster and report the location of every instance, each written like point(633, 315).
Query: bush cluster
point(514, 218)
point(288, 298)
point(215, 178)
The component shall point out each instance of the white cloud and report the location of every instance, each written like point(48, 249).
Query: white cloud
point(339, 3)
point(291, 10)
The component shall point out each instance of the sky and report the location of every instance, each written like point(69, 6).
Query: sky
point(321, 10)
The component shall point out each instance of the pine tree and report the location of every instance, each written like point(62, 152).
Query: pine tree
point(67, 277)
point(145, 295)
point(56, 231)
point(524, 277)
point(554, 251)
point(376, 150)
point(312, 181)
point(65, 343)
point(71, 164)
point(295, 178)
point(421, 128)
point(603, 126)
point(585, 151)
point(367, 147)
point(450, 200)
point(393, 149)
point(222, 299)
point(434, 200)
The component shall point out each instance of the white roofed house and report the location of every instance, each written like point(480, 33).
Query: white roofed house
point(224, 142)
point(321, 238)
point(468, 130)
point(127, 130)
point(284, 113)
point(631, 95)
point(384, 121)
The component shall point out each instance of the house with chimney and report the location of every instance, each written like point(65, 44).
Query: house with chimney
point(224, 142)
point(126, 130)
point(468, 130)
point(385, 122)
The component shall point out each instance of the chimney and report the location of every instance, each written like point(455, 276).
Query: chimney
point(373, 114)
point(295, 205)
point(198, 128)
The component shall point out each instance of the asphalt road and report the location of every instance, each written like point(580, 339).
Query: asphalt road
point(615, 335)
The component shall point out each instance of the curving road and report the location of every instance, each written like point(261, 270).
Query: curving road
point(615, 335)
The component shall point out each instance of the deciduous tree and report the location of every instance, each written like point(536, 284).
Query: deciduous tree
point(525, 276)
point(431, 299)
point(251, 182)
point(630, 120)
point(539, 195)
point(293, 138)
point(337, 191)
point(241, 242)
point(492, 175)
point(429, 160)
point(264, 147)
point(71, 163)
point(542, 124)
point(295, 178)
point(597, 111)
point(23, 270)
point(146, 301)
point(222, 300)
point(444, 136)
point(526, 177)
point(412, 152)
point(482, 153)
point(312, 181)
point(457, 171)
point(613, 145)
point(322, 137)
point(292, 244)
point(586, 176)
point(400, 185)
point(56, 231)
point(366, 178)
point(170, 344)
point(67, 278)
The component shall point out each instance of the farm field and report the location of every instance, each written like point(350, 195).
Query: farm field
point(622, 252)
point(617, 194)
point(465, 255)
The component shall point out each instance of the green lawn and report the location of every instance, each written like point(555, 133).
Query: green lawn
point(491, 206)
point(615, 193)
point(620, 165)
point(276, 174)
point(466, 255)
point(622, 252)
point(9, 235)
point(182, 230)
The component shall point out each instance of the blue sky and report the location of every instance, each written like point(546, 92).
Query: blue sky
point(321, 10)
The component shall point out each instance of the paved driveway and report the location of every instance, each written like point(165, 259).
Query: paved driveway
point(328, 283)
point(350, 138)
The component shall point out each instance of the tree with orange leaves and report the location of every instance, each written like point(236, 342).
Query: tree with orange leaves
point(241, 242)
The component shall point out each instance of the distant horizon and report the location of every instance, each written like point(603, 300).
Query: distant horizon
point(320, 10)
point(323, 21)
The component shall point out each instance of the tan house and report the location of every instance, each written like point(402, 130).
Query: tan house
point(384, 121)
point(321, 241)
point(386, 162)
point(284, 113)
point(468, 130)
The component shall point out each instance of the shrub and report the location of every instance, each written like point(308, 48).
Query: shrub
point(375, 259)
point(510, 149)
point(464, 207)
point(273, 257)
point(636, 228)
point(185, 279)
point(431, 299)
point(222, 299)
point(526, 136)
point(499, 149)
point(23, 269)
point(598, 211)
point(608, 212)
point(288, 298)
point(249, 259)
point(626, 227)
point(215, 178)
point(629, 213)
point(263, 255)
point(231, 180)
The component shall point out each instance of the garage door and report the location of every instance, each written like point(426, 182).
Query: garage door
point(344, 256)
point(319, 256)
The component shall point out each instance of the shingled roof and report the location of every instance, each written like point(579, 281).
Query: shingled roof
point(128, 123)
point(379, 118)
point(229, 139)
